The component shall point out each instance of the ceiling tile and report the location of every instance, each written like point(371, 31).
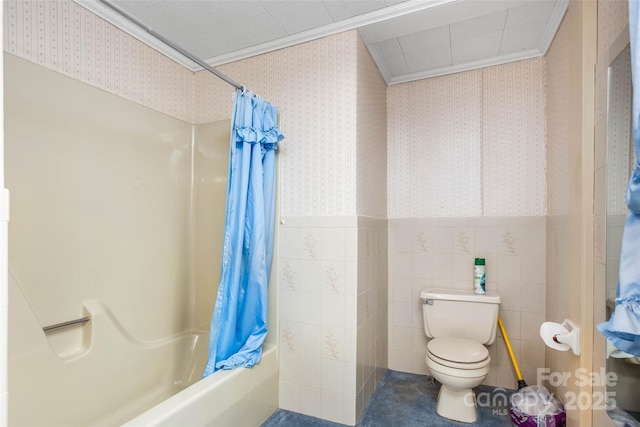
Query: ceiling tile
point(388, 29)
point(523, 37)
point(475, 48)
point(422, 39)
point(216, 42)
point(477, 26)
point(276, 4)
point(258, 29)
point(530, 12)
point(433, 56)
point(169, 17)
point(301, 16)
point(437, 16)
point(438, 34)
point(229, 12)
point(389, 47)
point(133, 6)
point(343, 9)
point(396, 65)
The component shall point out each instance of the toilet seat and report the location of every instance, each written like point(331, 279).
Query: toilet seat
point(458, 353)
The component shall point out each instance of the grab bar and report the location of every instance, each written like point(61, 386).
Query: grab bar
point(67, 323)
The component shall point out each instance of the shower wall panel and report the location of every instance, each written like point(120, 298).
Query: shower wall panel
point(100, 204)
point(117, 214)
point(211, 161)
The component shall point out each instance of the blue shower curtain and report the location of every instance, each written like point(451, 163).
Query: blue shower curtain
point(239, 321)
point(623, 328)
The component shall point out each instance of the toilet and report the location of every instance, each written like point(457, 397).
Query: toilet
point(460, 325)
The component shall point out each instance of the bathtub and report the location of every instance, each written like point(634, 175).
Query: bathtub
point(109, 378)
point(238, 398)
point(130, 247)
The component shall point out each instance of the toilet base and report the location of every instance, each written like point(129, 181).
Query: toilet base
point(457, 405)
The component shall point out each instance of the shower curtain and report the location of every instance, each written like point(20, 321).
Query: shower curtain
point(623, 328)
point(239, 321)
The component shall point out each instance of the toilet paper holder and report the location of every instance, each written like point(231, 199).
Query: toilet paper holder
point(561, 337)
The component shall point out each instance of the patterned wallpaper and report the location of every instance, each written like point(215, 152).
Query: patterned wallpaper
point(371, 142)
point(514, 139)
point(433, 137)
point(440, 139)
point(315, 86)
point(619, 158)
point(613, 18)
point(558, 74)
point(469, 144)
point(63, 36)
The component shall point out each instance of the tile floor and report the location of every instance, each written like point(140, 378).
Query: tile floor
point(407, 400)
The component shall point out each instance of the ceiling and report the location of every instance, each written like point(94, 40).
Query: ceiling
point(408, 39)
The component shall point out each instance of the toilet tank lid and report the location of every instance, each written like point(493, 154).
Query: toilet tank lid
point(459, 295)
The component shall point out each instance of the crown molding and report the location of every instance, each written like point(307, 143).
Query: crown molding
point(353, 23)
point(373, 17)
point(467, 66)
point(395, 11)
point(552, 26)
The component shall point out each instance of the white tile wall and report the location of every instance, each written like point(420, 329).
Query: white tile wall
point(333, 311)
point(372, 309)
point(439, 252)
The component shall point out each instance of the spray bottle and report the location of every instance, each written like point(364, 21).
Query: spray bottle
point(479, 276)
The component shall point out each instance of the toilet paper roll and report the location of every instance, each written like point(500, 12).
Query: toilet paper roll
point(550, 329)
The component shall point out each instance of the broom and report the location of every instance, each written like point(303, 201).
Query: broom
point(521, 382)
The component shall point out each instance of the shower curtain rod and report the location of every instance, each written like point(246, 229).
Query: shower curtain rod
point(173, 46)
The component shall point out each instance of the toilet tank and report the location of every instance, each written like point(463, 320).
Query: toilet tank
point(460, 314)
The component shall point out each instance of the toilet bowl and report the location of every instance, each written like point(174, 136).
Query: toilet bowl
point(459, 365)
point(460, 324)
